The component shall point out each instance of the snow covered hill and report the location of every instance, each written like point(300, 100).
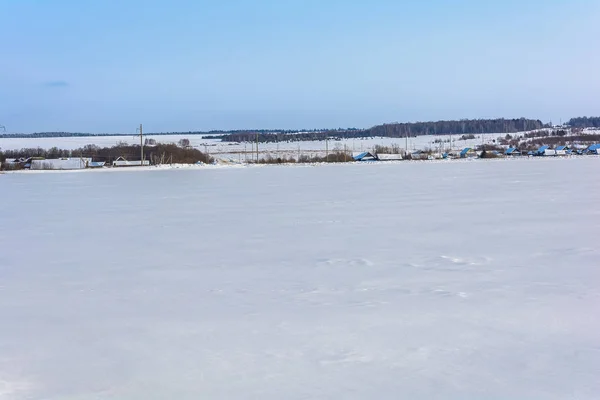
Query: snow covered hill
point(466, 280)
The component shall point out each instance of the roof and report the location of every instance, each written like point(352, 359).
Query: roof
point(364, 155)
point(511, 150)
point(562, 148)
point(594, 147)
point(389, 157)
point(465, 151)
point(60, 163)
point(543, 148)
point(124, 163)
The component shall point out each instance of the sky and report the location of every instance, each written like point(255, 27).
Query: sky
point(68, 65)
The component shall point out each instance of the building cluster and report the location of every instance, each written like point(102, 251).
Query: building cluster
point(468, 152)
point(67, 163)
point(75, 163)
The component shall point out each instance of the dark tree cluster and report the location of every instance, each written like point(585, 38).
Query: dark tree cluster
point(157, 153)
point(468, 128)
point(585, 122)
point(207, 135)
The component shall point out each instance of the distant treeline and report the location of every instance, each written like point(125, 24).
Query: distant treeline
point(255, 136)
point(397, 130)
point(585, 122)
point(467, 126)
point(160, 153)
point(207, 134)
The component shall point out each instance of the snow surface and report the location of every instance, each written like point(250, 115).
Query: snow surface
point(431, 280)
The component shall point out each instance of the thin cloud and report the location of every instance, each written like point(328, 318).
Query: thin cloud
point(56, 84)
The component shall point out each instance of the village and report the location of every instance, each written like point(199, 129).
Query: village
point(468, 152)
point(377, 154)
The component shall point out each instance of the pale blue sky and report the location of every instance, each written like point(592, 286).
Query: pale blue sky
point(106, 66)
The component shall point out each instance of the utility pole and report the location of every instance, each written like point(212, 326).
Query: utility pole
point(326, 149)
point(482, 143)
point(141, 146)
point(3, 129)
point(257, 147)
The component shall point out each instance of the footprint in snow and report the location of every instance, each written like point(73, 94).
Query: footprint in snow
point(341, 262)
point(449, 263)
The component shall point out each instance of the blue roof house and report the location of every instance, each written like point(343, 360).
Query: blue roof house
point(541, 150)
point(512, 151)
point(563, 150)
point(593, 149)
point(468, 152)
point(365, 156)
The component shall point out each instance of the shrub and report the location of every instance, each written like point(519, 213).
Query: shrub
point(334, 157)
point(160, 153)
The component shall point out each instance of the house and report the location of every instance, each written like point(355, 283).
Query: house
point(512, 151)
point(563, 150)
point(593, 149)
point(19, 163)
point(122, 162)
point(364, 156)
point(545, 151)
point(468, 152)
point(389, 157)
point(541, 151)
point(61, 163)
point(13, 163)
point(419, 155)
point(96, 164)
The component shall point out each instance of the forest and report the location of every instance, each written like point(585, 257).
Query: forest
point(396, 130)
point(585, 122)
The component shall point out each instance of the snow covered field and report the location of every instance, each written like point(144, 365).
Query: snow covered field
point(462, 280)
point(240, 151)
point(228, 149)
